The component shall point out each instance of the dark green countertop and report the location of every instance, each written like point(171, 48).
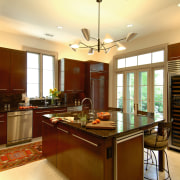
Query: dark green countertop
point(125, 124)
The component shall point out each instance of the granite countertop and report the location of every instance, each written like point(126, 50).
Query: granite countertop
point(38, 107)
point(125, 124)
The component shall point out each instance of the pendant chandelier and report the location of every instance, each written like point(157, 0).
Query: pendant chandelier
point(105, 45)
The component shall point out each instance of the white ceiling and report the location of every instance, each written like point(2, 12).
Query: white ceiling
point(39, 17)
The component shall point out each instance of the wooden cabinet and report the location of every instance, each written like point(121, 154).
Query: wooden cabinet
point(18, 71)
point(71, 75)
point(85, 156)
point(131, 146)
point(37, 121)
point(13, 70)
point(37, 118)
point(97, 82)
point(174, 52)
point(4, 69)
point(49, 139)
point(3, 128)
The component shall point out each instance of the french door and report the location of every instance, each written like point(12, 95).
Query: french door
point(136, 88)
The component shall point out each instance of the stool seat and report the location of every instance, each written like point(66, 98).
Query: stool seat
point(155, 142)
point(158, 142)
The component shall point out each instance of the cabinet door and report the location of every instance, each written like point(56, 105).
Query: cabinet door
point(37, 121)
point(4, 69)
point(174, 51)
point(18, 71)
point(79, 149)
point(99, 90)
point(74, 76)
point(49, 141)
point(129, 153)
point(3, 128)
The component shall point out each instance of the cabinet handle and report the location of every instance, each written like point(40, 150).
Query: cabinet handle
point(63, 130)
point(3, 89)
point(18, 89)
point(2, 121)
point(42, 112)
point(59, 110)
point(48, 124)
point(85, 140)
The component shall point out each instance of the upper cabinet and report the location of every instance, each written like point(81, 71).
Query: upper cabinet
point(71, 75)
point(174, 52)
point(5, 58)
point(13, 70)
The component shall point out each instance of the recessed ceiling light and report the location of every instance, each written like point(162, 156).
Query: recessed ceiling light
point(130, 25)
point(59, 27)
point(178, 4)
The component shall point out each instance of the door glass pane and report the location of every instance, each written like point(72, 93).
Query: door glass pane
point(120, 90)
point(158, 92)
point(48, 74)
point(130, 92)
point(142, 103)
point(144, 59)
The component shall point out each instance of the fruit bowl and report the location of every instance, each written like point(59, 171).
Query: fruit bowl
point(104, 115)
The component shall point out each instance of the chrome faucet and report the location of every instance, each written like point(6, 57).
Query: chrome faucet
point(91, 111)
point(90, 100)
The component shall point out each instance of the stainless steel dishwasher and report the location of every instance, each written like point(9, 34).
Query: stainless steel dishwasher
point(19, 127)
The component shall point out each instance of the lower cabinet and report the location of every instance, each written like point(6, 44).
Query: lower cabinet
point(49, 139)
point(80, 155)
point(37, 121)
point(129, 153)
point(38, 117)
point(3, 128)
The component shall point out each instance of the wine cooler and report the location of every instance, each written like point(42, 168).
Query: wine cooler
point(174, 103)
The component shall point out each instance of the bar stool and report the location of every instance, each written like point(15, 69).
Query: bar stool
point(158, 142)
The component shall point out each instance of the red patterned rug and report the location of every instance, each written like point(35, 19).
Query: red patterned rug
point(20, 155)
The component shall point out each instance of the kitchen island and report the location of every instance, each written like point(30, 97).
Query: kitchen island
point(93, 154)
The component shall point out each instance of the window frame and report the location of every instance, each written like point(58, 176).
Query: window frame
point(42, 52)
point(151, 67)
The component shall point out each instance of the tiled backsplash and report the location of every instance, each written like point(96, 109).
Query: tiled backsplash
point(15, 98)
point(10, 98)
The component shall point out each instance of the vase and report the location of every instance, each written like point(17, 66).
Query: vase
point(52, 101)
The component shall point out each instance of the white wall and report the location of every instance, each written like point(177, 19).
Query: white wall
point(17, 41)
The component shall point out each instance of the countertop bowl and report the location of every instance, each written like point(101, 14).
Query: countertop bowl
point(104, 115)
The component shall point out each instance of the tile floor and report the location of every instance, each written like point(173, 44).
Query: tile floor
point(42, 170)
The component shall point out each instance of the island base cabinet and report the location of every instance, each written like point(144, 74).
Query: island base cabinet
point(129, 161)
point(49, 141)
point(80, 156)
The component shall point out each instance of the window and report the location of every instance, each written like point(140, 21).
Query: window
point(48, 74)
point(40, 74)
point(142, 59)
point(140, 85)
point(33, 73)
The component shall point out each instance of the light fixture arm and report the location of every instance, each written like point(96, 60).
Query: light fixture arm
point(100, 45)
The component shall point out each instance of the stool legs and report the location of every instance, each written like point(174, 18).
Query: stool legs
point(166, 170)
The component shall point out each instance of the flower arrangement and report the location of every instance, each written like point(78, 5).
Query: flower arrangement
point(54, 93)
